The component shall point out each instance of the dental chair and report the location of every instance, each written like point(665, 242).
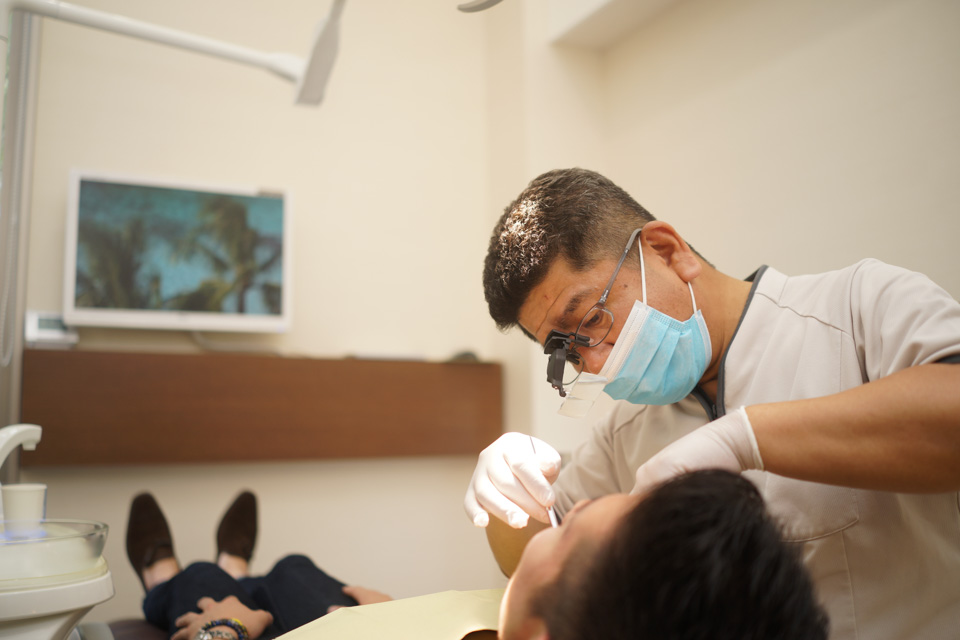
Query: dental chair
point(126, 629)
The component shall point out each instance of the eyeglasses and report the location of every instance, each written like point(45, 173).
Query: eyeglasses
point(566, 363)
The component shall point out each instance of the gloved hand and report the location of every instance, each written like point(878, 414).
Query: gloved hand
point(512, 481)
point(726, 443)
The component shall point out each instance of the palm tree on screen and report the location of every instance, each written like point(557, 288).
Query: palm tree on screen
point(237, 253)
point(108, 277)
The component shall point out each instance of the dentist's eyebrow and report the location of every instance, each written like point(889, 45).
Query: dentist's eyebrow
point(572, 305)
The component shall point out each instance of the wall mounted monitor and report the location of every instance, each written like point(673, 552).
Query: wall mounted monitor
point(155, 254)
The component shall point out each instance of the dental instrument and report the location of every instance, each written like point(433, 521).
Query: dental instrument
point(551, 513)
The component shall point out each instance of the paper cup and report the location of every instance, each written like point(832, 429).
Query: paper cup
point(25, 502)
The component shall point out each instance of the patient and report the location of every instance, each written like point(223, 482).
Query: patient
point(293, 593)
point(696, 558)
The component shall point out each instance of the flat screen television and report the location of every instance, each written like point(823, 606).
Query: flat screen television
point(157, 254)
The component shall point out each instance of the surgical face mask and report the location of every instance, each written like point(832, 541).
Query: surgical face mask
point(655, 360)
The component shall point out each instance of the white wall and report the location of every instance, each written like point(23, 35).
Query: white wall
point(389, 185)
point(387, 175)
point(806, 135)
point(803, 134)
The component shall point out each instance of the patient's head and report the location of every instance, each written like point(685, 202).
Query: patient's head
point(696, 558)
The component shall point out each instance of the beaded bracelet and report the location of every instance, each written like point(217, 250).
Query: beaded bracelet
point(233, 623)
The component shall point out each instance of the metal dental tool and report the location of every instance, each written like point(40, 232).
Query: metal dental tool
point(550, 512)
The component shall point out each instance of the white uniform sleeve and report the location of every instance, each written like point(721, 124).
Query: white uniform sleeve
point(901, 319)
point(629, 436)
point(589, 473)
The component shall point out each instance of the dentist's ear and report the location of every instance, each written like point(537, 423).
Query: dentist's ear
point(671, 249)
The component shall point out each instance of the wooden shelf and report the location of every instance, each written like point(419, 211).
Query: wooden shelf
point(100, 407)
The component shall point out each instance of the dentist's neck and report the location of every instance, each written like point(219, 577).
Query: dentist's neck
point(722, 300)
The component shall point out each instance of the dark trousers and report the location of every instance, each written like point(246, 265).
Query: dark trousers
point(295, 591)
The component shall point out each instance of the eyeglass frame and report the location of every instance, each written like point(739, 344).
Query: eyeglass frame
point(562, 347)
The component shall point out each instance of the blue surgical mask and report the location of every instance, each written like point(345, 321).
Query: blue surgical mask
point(655, 360)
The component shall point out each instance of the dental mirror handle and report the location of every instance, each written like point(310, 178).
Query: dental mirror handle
point(550, 511)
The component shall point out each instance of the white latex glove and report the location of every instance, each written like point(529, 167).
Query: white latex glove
point(512, 481)
point(726, 443)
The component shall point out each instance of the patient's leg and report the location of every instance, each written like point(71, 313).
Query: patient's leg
point(169, 600)
point(237, 535)
point(296, 591)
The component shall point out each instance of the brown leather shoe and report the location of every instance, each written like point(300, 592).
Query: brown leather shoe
point(237, 533)
point(148, 536)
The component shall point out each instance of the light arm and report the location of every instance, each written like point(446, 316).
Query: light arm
point(284, 65)
point(311, 76)
point(477, 5)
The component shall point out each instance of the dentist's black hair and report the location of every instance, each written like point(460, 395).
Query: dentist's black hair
point(574, 214)
point(699, 558)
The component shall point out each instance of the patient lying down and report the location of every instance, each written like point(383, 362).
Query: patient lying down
point(696, 558)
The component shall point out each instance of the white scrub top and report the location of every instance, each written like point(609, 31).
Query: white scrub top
point(885, 565)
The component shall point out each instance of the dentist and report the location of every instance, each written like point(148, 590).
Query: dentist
point(837, 394)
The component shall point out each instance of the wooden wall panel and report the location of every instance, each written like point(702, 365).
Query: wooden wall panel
point(132, 408)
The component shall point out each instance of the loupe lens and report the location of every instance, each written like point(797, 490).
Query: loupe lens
point(571, 372)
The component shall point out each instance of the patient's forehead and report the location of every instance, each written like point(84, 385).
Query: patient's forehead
point(552, 552)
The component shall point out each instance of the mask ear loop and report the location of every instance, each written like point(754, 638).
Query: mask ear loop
point(643, 281)
point(643, 275)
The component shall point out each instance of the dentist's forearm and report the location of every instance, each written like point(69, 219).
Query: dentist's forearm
point(899, 433)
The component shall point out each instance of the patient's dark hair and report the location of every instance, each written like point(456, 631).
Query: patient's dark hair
point(699, 558)
point(575, 214)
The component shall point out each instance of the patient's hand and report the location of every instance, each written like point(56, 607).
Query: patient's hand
point(255, 620)
point(363, 596)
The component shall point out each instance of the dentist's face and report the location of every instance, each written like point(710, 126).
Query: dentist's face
point(583, 531)
point(564, 296)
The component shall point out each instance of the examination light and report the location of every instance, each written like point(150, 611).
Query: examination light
point(476, 5)
point(310, 75)
point(312, 80)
